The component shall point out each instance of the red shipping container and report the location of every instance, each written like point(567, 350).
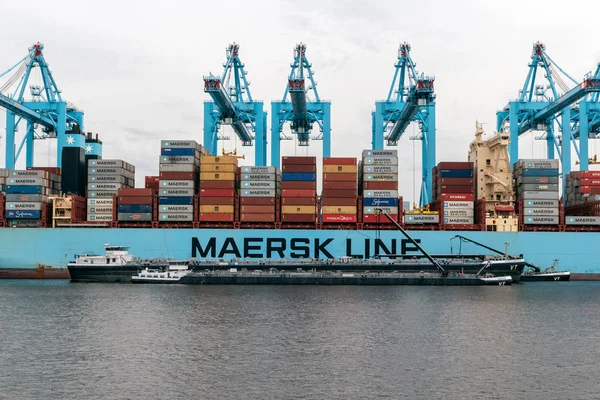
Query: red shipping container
point(339, 161)
point(257, 201)
point(258, 209)
point(217, 185)
point(298, 218)
point(339, 218)
point(216, 217)
point(585, 174)
point(378, 219)
point(217, 192)
point(299, 168)
point(153, 186)
point(298, 201)
point(455, 165)
point(337, 177)
point(257, 217)
point(454, 189)
point(340, 185)
point(136, 200)
point(370, 185)
point(455, 181)
point(216, 201)
point(298, 193)
point(178, 176)
point(138, 192)
point(152, 179)
point(457, 196)
point(299, 185)
point(336, 201)
point(339, 193)
point(52, 170)
point(298, 160)
point(589, 182)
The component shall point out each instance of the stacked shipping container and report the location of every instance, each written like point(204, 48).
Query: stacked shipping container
point(583, 196)
point(105, 178)
point(536, 183)
point(378, 184)
point(453, 188)
point(179, 170)
point(152, 182)
point(340, 189)
point(299, 190)
point(218, 177)
point(259, 188)
point(135, 205)
point(26, 194)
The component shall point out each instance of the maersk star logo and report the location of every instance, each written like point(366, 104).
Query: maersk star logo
point(70, 140)
point(88, 149)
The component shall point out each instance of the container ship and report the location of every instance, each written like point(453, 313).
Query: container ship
point(204, 205)
point(207, 207)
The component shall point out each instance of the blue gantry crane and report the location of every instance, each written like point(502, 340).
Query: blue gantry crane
point(536, 109)
point(301, 109)
point(45, 108)
point(232, 104)
point(587, 128)
point(412, 99)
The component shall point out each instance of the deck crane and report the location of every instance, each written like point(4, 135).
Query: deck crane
point(301, 110)
point(413, 99)
point(232, 104)
point(535, 109)
point(45, 108)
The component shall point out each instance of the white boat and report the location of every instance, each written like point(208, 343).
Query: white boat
point(173, 274)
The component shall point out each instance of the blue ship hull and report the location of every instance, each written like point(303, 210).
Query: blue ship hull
point(27, 248)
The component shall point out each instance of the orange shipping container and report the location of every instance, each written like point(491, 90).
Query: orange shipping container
point(298, 193)
point(257, 217)
point(217, 176)
point(216, 217)
point(339, 161)
point(258, 209)
point(340, 177)
point(216, 209)
point(347, 169)
point(339, 210)
point(219, 160)
point(209, 167)
point(298, 210)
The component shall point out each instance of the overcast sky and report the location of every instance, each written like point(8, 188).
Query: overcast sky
point(136, 68)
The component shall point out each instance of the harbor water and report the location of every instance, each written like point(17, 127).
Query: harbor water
point(77, 341)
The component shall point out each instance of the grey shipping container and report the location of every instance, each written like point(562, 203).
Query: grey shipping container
point(108, 209)
point(105, 186)
point(25, 197)
point(177, 184)
point(100, 217)
point(381, 194)
point(258, 184)
point(540, 187)
point(100, 201)
point(381, 177)
point(104, 193)
point(380, 169)
point(421, 219)
point(176, 192)
point(540, 220)
point(179, 168)
point(540, 203)
point(257, 192)
point(260, 170)
point(375, 210)
point(536, 195)
point(538, 164)
point(182, 144)
point(108, 179)
point(28, 181)
point(24, 205)
point(258, 177)
point(179, 160)
point(111, 163)
point(380, 161)
point(379, 153)
point(459, 204)
point(581, 220)
point(177, 208)
point(458, 220)
point(134, 217)
point(537, 179)
point(458, 212)
point(540, 211)
point(175, 217)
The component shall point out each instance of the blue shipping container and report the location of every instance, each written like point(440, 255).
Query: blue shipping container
point(299, 176)
point(12, 189)
point(374, 202)
point(539, 172)
point(175, 200)
point(456, 173)
point(178, 152)
point(23, 214)
point(135, 208)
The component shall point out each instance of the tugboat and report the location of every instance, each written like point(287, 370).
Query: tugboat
point(548, 275)
point(116, 265)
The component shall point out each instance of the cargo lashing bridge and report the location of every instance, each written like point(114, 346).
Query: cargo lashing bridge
point(232, 104)
point(45, 108)
point(300, 110)
point(413, 99)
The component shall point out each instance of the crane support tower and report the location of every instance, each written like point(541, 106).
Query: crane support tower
point(538, 107)
point(590, 106)
point(232, 104)
point(411, 98)
point(301, 110)
point(44, 107)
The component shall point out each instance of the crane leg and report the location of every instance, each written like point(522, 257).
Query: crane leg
point(566, 146)
point(210, 139)
point(326, 130)
point(513, 146)
point(431, 154)
point(29, 144)
point(10, 140)
point(550, 142)
point(61, 109)
point(584, 135)
point(260, 135)
point(377, 140)
point(275, 135)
